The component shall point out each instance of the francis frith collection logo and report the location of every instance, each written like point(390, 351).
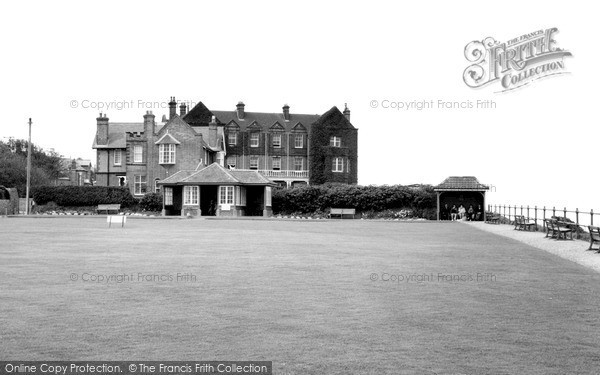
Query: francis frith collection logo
point(514, 63)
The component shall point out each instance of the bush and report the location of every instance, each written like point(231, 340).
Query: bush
point(77, 196)
point(420, 201)
point(151, 202)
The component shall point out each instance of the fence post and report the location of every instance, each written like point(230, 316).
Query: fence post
point(535, 213)
point(565, 213)
point(509, 212)
point(553, 211)
point(521, 210)
point(544, 218)
point(504, 211)
point(577, 221)
point(528, 212)
point(591, 217)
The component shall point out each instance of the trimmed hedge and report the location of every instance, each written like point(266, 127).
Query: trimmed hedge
point(77, 196)
point(308, 199)
point(151, 202)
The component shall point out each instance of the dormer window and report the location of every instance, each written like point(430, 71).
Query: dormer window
point(254, 139)
point(166, 153)
point(335, 141)
point(277, 140)
point(232, 139)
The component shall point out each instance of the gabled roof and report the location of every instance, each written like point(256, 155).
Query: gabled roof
point(215, 174)
point(167, 139)
point(461, 183)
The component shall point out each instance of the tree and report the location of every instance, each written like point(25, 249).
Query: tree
point(45, 165)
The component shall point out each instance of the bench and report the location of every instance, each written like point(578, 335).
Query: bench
point(555, 229)
point(521, 223)
point(122, 219)
point(342, 211)
point(108, 208)
point(594, 236)
point(492, 218)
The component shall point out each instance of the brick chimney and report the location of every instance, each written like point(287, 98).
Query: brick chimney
point(346, 112)
point(102, 131)
point(240, 110)
point(172, 108)
point(149, 124)
point(182, 109)
point(212, 132)
point(286, 112)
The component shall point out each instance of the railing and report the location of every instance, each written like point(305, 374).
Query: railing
point(284, 173)
point(543, 213)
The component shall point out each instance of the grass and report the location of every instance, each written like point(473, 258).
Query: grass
point(297, 293)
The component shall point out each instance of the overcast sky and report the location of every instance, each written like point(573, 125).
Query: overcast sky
point(538, 146)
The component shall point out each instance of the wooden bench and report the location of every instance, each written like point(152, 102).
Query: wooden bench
point(521, 223)
point(108, 208)
point(594, 236)
point(558, 230)
point(342, 211)
point(492, 218)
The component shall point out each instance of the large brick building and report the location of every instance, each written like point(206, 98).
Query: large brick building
point(288, 149)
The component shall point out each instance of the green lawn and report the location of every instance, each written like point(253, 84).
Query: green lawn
point(297, 293)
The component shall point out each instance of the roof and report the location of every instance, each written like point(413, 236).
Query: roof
point(117, 131)
point(461, 183)
point(265, 120)
point(215, 174)
point(167, 139)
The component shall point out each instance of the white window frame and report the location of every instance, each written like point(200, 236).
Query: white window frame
point(299, 141)
point(296, 158)
point(191, 195)
point(139, 184)
point(226, 195)
point(231, 165)
point(156, 187)
point(138, 154)
point(253, 157)
point(254, 139)
point(118, 157)
point(278, 158)
point(335, 141)
point(232, 138)
point(168, 196)
point(167, 153)
point(278, 137)
point(337, 164)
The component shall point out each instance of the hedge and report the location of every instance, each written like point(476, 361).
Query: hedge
point(76, 196)
point(313, 198)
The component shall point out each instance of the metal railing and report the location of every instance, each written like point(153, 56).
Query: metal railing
point(284, 173)
point(542, 213)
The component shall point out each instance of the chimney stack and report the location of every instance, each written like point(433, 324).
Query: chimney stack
point(286, 112)
point(172, 108)
point(240, 110)
point(182, 109)
point(212, 132)
point(149, 124)
point(346, 112)
point(102, 130)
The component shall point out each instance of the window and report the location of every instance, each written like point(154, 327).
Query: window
point(298, 163)
point(298, 141)
point(276, 163)
point(156, 187)
point(337, 165)
point(254, 139)
point(118, 157)
point(277, 140)
point(232, 139)
point(231, 160)
point(335, 141)
point(253, 162)
point(240, 195)
point(226, 195)
point(166, 154)
point(190, 195)
point(122, 180)
point(139, 184)
point(168, 196)
point(137, 154)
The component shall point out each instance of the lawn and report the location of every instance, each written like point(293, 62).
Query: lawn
point(311, 296)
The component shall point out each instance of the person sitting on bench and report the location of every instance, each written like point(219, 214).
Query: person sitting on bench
point(453, 212)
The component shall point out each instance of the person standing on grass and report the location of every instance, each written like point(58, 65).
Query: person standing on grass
point(446, 212)
point(479, 213)
point(453, 212)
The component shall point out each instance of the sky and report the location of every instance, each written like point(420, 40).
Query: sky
point(536, 145)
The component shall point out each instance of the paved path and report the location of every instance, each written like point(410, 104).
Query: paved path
point(575, 251)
